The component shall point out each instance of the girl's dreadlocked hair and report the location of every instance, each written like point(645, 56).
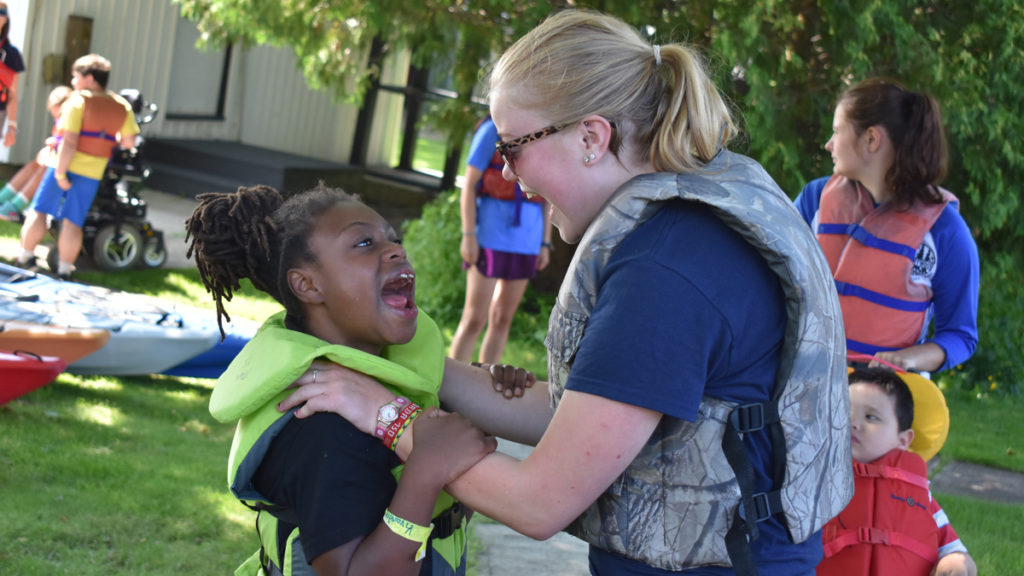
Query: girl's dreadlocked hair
point(254, 233)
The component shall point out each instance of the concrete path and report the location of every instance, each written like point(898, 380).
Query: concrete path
point(505, 552)
point(167, 213)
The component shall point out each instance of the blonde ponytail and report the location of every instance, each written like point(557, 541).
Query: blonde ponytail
point(660, 98)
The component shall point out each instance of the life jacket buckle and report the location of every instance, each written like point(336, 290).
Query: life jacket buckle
point(869, 535)
point(762, 507)
point(449, 521)
point(748, 417)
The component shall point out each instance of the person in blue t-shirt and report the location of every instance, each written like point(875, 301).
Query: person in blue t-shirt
point(667, 315)
point(902, 255)
point(506, 239)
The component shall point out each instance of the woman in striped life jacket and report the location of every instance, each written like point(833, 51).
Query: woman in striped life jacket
point(902, 257)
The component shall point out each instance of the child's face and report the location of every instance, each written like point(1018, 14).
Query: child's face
point(873, 423)
point(362, 285)
point(55, 111)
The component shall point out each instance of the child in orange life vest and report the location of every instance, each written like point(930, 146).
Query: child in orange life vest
point(892, 525)
point(18, 192)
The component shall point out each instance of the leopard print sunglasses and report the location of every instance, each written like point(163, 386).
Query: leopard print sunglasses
point(509, 150)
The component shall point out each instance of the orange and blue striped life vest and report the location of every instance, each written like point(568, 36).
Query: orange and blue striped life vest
point(871, 251)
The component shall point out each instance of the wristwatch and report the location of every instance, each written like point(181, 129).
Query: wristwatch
point(388, 413)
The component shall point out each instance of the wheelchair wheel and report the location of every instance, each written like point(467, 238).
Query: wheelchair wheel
point(154, 253)
point(116, 249)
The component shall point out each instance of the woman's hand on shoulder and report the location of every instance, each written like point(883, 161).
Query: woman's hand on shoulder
point(328, 387)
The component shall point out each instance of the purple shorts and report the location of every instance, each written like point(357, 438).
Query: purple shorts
point(505, 265)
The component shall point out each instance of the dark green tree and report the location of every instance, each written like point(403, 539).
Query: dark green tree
point(783, 64)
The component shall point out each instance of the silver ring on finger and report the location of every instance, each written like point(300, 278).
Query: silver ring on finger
point(314, 375)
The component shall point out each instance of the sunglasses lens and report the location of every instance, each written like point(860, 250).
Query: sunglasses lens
point(510, 161)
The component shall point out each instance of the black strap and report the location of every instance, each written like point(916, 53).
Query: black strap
point(449, 521)
point(753, 508)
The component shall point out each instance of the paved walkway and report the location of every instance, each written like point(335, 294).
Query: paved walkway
point(504, 552)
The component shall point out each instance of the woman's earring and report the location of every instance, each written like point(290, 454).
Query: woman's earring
point(587, 159)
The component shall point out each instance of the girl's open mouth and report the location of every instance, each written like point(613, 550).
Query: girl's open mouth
point(398, 291)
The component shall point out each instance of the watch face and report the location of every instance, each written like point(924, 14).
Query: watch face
point(387, 413)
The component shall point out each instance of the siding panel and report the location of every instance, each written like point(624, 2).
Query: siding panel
point(268, 103)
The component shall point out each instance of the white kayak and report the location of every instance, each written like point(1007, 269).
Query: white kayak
point(147, 335)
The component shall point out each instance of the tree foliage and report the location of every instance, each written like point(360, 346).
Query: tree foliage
point(783, 63)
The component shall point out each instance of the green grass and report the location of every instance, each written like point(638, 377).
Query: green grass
point(111, 476)
point(985, 429)
point(987, 529)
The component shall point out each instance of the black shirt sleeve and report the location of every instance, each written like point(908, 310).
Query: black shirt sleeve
point(337, 480)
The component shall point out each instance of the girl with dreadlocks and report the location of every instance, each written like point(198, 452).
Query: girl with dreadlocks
point(331, 499)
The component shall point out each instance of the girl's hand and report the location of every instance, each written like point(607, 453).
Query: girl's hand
point(469, 249)
point(543, 258)
point(509, 381)
point(445, 445)
point(328, 387)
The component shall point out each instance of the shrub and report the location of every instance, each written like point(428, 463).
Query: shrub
point(432, 242)
point(996, 364)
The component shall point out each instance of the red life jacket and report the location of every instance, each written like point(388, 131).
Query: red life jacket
point(493, 184)
point(871, 253)
point(887, 528)
point(6, 77)
point(102, 118)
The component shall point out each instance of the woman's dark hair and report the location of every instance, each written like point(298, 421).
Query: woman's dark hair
point(254, 233)
point(914, 125)
point(7, 25)
point(894, 387)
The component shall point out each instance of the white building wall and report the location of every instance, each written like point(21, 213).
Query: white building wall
point(282, 113)
point(268, 103)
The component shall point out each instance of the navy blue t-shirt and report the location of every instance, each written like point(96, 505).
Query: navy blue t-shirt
point(686, 307)
point(336, 480)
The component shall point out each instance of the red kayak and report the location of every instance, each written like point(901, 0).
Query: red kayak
point(23, 372)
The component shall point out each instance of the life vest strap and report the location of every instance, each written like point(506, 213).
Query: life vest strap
point(449, 521)
point(753, 508)
point(847, 289)
point(889, 472)
point(876, 536)
point(858, 233)
point(101, 135)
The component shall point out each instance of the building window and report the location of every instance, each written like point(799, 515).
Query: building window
point(199, 78)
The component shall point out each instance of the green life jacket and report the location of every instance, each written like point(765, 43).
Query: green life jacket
point(257, 380)
point(686, 500)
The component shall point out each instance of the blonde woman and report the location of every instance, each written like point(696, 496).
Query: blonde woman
point(697, 301)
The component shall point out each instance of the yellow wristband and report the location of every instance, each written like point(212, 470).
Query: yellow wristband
point(409, 531)
point(61, 176)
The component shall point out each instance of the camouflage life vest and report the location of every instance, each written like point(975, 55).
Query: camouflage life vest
point(684, 515)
